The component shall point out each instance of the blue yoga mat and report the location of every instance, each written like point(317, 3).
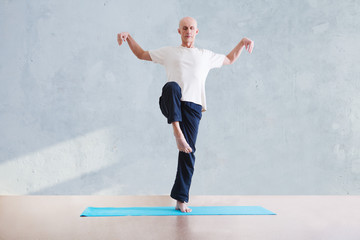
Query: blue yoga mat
point(170, 211)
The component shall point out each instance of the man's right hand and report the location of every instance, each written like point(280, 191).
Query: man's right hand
point(135, 48)
point(122, 37)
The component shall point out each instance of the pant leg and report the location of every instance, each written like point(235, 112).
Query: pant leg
point(170, 102)
point(191, 116)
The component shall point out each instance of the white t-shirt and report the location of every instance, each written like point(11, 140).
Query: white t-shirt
point(189, 68)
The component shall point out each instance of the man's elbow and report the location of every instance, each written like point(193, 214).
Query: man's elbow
point(144, 56)
point(139, 56)
point(227, 61)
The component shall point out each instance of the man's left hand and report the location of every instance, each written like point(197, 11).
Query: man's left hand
point(249, 45)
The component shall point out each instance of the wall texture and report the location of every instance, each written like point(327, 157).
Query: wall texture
point(79, 114)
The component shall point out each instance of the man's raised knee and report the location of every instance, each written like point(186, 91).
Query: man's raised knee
point(173, 87)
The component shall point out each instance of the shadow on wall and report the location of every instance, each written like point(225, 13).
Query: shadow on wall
point(89, 183)
point(114, 179)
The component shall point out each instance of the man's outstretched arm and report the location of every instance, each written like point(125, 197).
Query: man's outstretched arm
point(235, 53)
point(135, 48)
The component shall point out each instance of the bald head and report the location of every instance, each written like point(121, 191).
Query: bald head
point(188, 21)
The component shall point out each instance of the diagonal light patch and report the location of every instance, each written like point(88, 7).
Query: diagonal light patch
point(59, 163)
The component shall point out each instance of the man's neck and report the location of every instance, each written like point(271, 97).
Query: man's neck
point(188, 45)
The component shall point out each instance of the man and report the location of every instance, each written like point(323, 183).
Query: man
point(183, 96)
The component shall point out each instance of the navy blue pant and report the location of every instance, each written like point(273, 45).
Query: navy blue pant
point(188, 115)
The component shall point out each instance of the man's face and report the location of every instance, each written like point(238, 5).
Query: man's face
point(188, 30)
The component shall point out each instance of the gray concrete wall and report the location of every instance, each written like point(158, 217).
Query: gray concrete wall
point(79, 114)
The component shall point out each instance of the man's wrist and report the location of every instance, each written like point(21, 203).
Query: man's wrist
point(242, 44)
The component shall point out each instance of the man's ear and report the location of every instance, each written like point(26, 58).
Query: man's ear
point(179, 31)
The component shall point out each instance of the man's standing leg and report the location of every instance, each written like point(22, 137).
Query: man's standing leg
point(191, 115)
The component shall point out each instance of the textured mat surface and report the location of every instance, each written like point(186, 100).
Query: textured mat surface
point(170, 211)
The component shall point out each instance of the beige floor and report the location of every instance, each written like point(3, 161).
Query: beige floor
point(298, 217)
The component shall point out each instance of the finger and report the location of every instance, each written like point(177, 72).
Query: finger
point(124, 37)
point(119, 40)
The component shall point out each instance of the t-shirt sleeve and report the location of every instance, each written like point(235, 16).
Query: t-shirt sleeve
point(215, 60)
point(159, 55)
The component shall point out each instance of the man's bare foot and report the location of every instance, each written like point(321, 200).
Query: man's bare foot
point(182, 207)
point(181, 142)
point(182, 145)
